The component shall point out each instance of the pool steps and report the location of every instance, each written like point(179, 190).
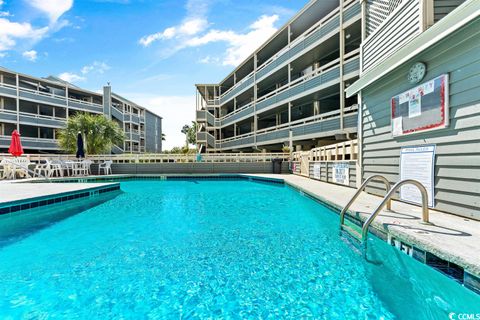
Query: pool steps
point(386, 202)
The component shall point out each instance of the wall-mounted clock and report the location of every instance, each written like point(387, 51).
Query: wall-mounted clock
point(417, 72)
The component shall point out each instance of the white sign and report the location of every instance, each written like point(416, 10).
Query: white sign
point(316, 171)
point(418, 163)
point(341, 173)
point(414, 105)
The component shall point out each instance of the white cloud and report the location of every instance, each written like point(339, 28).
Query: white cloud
point(194, 22)
point(209, 60)
point(176, 112)
point(15, 35)
point(30, 55)
point(71, 77)
point(194, 32)
point(53, 9)
point(239, 45)
point(96, 67)
point(10, 32)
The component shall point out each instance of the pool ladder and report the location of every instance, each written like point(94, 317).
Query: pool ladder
point(387, 201)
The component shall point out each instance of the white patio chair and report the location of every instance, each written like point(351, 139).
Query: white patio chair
point(106, 166)
point(5, 170)
point(57, 168)
point(87, 167)
point(44, 169)
point(18, 166)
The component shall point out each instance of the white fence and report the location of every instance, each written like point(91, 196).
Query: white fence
point(166, 158)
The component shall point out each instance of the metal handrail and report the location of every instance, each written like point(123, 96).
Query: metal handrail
point(362, 187)
point(387, 198)
point(26, 168)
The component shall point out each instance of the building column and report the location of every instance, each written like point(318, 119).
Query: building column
point(359, 162)
point(17, 81)
point(289, 112)
point(316, 107)
point(342, 54)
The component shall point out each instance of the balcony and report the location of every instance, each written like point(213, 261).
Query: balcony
point(324, 29)
point(206, 137)
point(201, 116)
point(8, 90)
point(237, 115)
point(317, 80)
point(321, 78)
point(326, 124)
point(321, 31)
point(238, 88)
point(85, 105)
point(44, 97)
point(10, 116)
point(31, 143)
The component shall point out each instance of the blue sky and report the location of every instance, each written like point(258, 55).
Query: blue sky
point(151, 51)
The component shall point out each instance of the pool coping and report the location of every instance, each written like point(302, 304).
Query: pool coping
point(404, 242)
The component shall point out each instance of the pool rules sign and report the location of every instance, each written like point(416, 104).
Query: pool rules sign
point(341, 173)
point(418, 163)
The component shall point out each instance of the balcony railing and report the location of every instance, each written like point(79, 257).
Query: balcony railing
point(318, 31)
point(31, 143)
point(326, 122)
point(32, 118)
point(304, 84)
point(242, 112)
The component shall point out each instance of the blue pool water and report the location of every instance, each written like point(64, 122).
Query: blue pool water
point(208, 249)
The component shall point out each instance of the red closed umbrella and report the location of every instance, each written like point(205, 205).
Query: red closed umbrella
point(15, 149)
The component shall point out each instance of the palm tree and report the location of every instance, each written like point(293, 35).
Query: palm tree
point(185, 130)
point(100, 133)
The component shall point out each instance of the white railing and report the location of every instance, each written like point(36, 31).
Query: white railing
point(161, 157)
point(40, 93)
point(85, 102)
point(342, 151)
point(294, 124)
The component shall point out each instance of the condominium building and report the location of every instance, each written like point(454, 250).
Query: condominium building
point(38, 107)
point(289, 92)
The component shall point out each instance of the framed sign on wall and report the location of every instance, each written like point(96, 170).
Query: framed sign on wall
point(418, 163)
point(422, 108)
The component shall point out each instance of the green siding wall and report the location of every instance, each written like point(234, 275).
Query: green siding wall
point(444, 7)
point(457, 170)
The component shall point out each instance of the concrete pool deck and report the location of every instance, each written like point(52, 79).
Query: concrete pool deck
point(12, 191)
point(452, 238)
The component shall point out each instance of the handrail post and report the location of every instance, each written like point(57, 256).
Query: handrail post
point(425, 212)
point(359, 191)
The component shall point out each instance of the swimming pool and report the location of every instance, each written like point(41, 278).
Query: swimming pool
point(209, 249)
